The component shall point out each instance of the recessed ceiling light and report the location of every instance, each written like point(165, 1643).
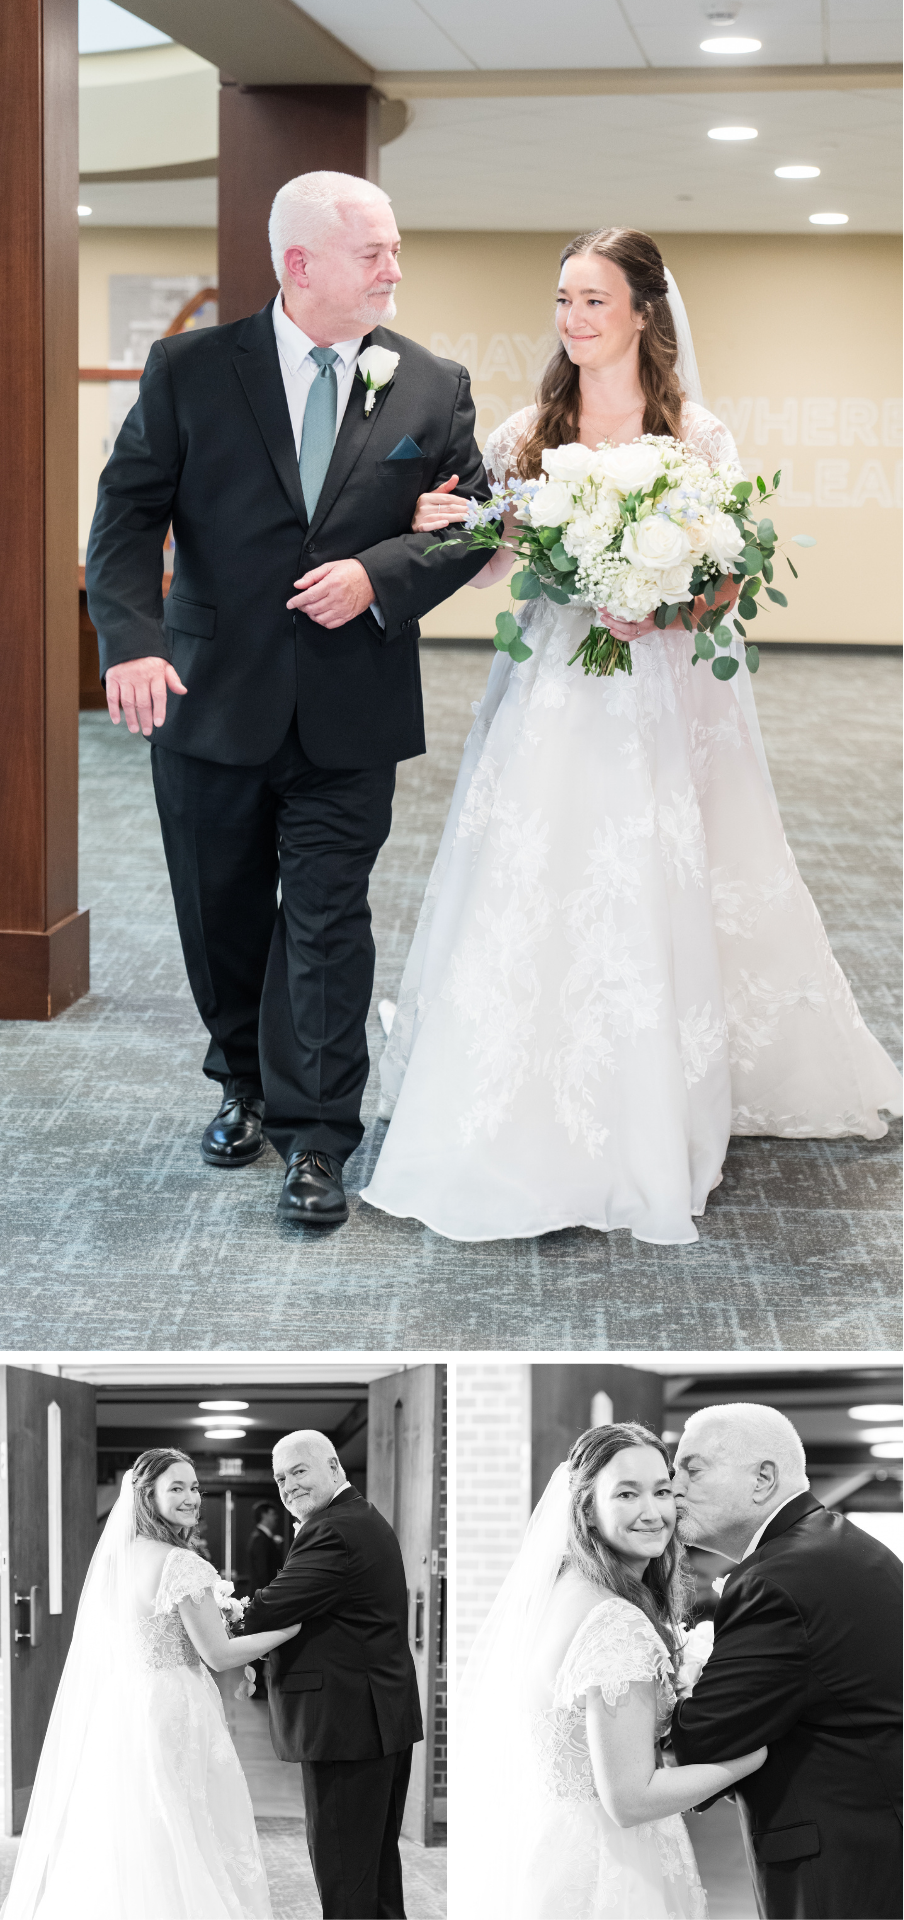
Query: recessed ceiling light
point(726, 45)
point(828, 219)
point(888, 1450)
point(880, 1433)
point(223, 1406)
point(224, 1433)
point(878, 1410)
point(733, 133)
point(83, 212)
point(797, 173)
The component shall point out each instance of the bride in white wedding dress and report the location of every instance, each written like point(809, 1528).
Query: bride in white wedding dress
point(617, 964)
point(140, 1809)
point(563, 1808)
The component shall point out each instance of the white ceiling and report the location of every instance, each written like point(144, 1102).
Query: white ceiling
point(149, 203)
point(428, 35)
point(586, 162)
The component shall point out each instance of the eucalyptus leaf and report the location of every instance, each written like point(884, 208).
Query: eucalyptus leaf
point(725, 667)
point(709, 592)
point(761, 484)
point(779, 598)
point(767, 569)
point(518, 650)
point(686, 620)
point(550, 537)
point(561, 560)
point(792, 566)
point(555, 593)
point(776, 478)
point(752, 559)
point(743, 490)
point(507, 630)
point(705, 647)
point(525, 586)
point(747, 608)
point(766, 532)
point(741, 630)
point(659, 619)
point(753, 658)
point(722, 636)
point(752, 586)
point(803, 539)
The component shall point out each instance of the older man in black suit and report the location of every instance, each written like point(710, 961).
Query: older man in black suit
point(279, 683)
point(806, 1660)
point(344, 1702)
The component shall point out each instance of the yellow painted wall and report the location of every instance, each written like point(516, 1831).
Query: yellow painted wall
point(798, 342)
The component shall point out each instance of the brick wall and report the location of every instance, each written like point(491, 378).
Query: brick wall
point(493, 1479)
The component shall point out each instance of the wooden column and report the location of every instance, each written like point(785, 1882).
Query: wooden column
point(267, 136)
point(561, 1398)
point(43, 937)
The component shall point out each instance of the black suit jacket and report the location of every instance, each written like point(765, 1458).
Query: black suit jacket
point(807, 1660)
point(265, 1557)
point(345, 1688)
point(209, 445)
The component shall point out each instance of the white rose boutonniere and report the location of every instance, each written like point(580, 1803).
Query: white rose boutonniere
point(376, 366)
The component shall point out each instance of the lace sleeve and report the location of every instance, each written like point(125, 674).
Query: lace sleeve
point(707, 436)
point(614, 1645)
point(500, 449)
point(185, 1576)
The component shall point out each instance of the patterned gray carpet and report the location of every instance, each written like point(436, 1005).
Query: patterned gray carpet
point(115, 1234)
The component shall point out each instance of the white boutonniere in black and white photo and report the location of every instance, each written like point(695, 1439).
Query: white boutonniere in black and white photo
point(376, 366)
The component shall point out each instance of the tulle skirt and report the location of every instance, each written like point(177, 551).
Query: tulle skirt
point(617, 963)
point(158, 1825)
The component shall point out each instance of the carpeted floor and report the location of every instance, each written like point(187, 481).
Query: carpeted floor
point(117, 1235)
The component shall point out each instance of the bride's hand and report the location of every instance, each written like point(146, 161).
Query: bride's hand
point(746, 1763)
point(625, 629)
point(438, 509)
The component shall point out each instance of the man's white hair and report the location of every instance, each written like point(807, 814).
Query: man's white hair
point(309, 209)
point(748, 1432)
point(316, 1443)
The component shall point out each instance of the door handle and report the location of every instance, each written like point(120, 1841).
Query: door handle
point(33, 1600)
point(419, 1621)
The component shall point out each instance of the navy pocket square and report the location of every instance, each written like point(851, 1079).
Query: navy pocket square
point(407, 449)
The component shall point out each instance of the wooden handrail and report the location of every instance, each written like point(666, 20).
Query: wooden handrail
point(96, 374)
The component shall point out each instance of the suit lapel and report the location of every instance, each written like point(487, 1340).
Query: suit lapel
point(353, 434)
point(256, 362)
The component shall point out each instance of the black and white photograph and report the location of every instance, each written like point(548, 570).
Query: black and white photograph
point(224, 1618)
point(678, 1587)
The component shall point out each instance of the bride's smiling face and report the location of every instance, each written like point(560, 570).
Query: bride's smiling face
point(177, 1495)
point(634, 1506)
point(594, 315)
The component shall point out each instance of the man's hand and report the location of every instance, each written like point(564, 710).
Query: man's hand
point(334, 594)
point(137, 689)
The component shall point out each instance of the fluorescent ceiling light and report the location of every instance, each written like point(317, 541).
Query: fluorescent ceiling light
point(83, 212)
point(224, 1433)
point(726, 45)
point(223, 1406)
point(880, 1433)
point(797, 173)
point(880, 1410)
point(733, 133)
point(828, 219)
point(888, 1450)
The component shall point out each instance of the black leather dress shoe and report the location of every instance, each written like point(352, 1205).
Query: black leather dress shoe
point(234, 1137)
point(313, 1194)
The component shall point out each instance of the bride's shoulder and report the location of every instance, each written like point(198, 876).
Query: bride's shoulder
point(705, 432)
point(184, 1575)
point(504, 441)
point(614, 1645)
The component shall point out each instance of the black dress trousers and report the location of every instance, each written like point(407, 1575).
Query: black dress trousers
point(353, 1818)
point(283, 990)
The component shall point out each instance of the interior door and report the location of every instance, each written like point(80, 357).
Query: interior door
point(404, 1464)
point(48, 1531)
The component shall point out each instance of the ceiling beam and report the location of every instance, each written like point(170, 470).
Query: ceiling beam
point(549, 81)
point(267, 43)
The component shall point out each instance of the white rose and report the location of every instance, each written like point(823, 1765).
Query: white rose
point(698, 532)
point(551, 505)
point(655, 543)
point(675, 582)
point(571, 464)
point(725, 543)
point(631, 469)
point(379, 363)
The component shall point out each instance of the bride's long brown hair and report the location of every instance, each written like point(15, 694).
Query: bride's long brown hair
point(558, 395)
point(665, 1591)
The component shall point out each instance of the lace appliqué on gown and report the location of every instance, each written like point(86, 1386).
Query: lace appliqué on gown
point(647, 1870)
point(617, 963)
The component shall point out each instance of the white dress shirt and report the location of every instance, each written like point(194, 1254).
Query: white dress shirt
point(754, 1543)
point(299, 372)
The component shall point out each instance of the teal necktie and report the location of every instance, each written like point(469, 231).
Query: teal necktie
point(318, 433)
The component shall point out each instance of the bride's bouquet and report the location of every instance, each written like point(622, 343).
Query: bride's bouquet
point(629, 531)
point(231, 1611)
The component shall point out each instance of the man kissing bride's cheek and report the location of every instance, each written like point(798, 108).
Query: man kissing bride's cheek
point(591, 1718)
